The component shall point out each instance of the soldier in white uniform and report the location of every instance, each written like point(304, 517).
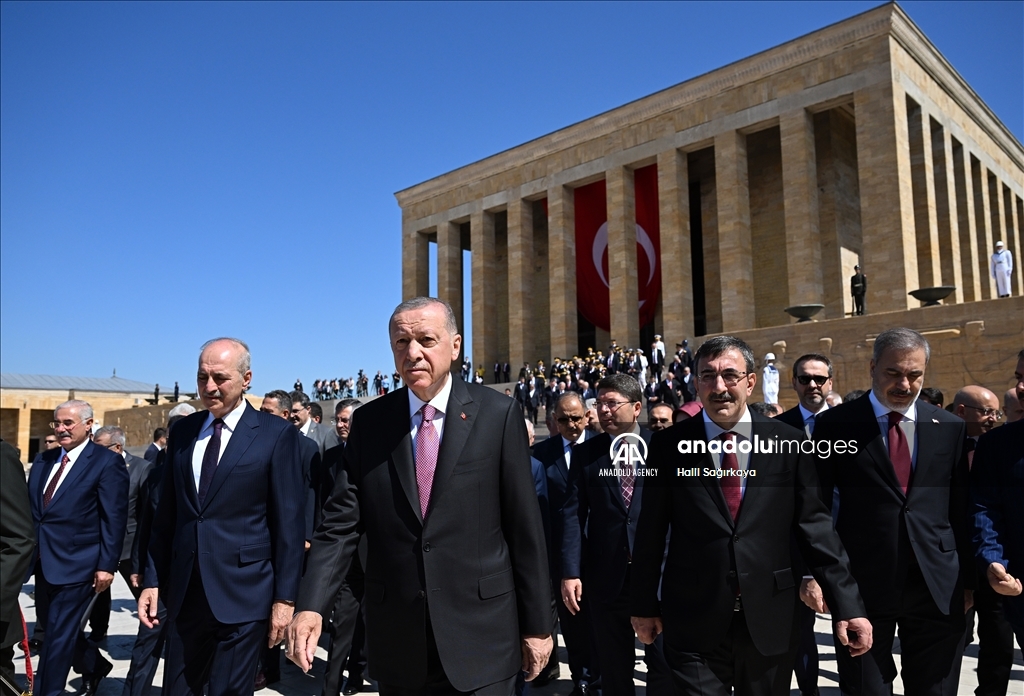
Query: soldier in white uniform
point(770, 383)
point(1002, 268)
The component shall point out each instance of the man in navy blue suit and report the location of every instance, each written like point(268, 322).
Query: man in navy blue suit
point(225, 552)
point(997, 504)
point(79, 497)
point(556, 454)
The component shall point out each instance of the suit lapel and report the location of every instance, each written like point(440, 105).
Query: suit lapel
point(402, 457)
point(245, 432)
point(39, 484)
point(459, 419)
point(77, 471)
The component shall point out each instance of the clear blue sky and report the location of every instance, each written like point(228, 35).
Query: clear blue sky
point(170, 172)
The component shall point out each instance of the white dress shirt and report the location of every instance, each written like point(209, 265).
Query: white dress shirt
point(809, 417)
point(439, 402)
point(73, 456)
point(230, 423)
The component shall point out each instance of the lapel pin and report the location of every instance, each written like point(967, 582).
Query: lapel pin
point(935, 420)
point(463, 415)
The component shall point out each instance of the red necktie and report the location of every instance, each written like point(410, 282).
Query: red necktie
point(731, 487)
point(52, 486)
point(899, 450)
point(427, 443)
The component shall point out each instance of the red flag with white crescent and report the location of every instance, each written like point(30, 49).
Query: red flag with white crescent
point(591, 208)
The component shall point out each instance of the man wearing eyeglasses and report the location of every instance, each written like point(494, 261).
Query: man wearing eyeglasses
point(812, 382)
point(727, 598)
point(556, 454)
point(301, 418)
point(79, 497)
point(600, 514)
point(979, 409)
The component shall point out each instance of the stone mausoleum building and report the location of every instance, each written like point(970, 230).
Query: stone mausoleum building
point(716, 204)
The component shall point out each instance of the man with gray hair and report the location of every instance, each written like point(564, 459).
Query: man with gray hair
point(903, 520)
point(225, 552)
point(112, 437)
point(79, 497)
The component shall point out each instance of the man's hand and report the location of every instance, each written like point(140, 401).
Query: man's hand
point(1002, 582)
point(536, 651)
point(302, 636)
point(572, 594)
point(280, 616)
point(147, 607)
point(856, 635)
point(134, 577)
point(101, 580)
point(811, 595)
point(647, 628)
point(968, 600)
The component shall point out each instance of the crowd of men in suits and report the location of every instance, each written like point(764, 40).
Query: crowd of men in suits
point(436, 561)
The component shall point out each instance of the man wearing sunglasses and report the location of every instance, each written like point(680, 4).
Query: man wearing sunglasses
point(812, 381)
point(556, 454)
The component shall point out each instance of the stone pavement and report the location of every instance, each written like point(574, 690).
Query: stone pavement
point(124, 624)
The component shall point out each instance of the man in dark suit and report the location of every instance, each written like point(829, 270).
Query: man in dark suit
point(17, 539)
point(225, 551)
point(437, 476)
point(112, 437)
point(687, 382)
point(812, 381)
point(158, 443)
point(728, 593)
point(347, 651)
point(506, 371)
point(301, 418)
point(556, 454)
point(667, 393)
point(149, 643)
point(902, 482)
point(997, 506)
point(605, 499)
point(79, 496)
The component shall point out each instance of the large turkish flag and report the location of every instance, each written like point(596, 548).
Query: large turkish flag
point(592, 295)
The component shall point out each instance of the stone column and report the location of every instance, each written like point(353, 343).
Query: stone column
point(886, 197)
point(1012, 240)
point(995, 204)
point(485, 330)
point(415, 262)
point(923, 184)
point(945, 213)
point(676, 271)
point(735, 249)
point(622, 273)
point(800, 200)
point(449, 271)
point(969, 269)
point(562, 272)
point(520, 282)
point(986, 238)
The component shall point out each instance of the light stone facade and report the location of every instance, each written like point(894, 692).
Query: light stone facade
point(858, 143)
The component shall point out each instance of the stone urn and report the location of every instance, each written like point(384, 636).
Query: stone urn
point(804, 312)
point(930, 296)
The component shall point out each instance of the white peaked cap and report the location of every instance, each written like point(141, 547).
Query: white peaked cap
point(769, 356)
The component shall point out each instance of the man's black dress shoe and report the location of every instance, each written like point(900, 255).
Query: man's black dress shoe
point(91, 682)
point(97, 637)
point(353, 685)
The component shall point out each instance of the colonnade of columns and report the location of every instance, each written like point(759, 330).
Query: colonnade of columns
point(928, 206)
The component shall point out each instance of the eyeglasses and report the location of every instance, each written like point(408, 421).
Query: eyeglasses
point(610, 405)
point(50, 442)
point(341, 421)
point(818, 380)
point(730, 377)
point(565, 420)
point(68, 425)
point(988, 412)
point(661, 420)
